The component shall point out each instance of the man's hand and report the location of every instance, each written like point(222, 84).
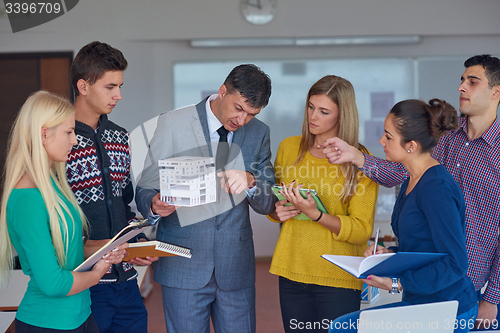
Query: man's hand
point(486, 313)
point(160, 207)
point(282, 212)
point(236, 181)
point(143, 262)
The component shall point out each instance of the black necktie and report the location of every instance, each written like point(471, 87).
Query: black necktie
point(222, 149)
point(221, 159)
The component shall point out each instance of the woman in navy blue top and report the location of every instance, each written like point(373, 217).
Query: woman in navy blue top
point(429, 214)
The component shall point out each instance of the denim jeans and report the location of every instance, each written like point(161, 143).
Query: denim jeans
point(119, 308)
point(495, 325)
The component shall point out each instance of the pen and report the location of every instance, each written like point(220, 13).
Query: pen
point(376, 241)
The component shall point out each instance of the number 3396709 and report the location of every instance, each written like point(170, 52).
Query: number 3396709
point(463, 323)
point(32, 8)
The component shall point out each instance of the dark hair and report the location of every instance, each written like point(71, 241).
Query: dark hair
point(93, 61)
point(491, 66)
point(424, 123)
point(251, 82)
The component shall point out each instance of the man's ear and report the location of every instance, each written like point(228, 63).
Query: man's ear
point(496, 92)
point(44, 132)
point(82, 86)
point(222, 91)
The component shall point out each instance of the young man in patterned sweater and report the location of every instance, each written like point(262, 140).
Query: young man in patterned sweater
point(98, 171)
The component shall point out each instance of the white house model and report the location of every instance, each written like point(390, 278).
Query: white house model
point(189, 181)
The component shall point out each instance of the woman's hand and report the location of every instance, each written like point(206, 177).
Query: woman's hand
point(117, 254)
point(338, 151)
point(380, 249)
point(85, 280)
point(101, 267)
point(111, 258)
point(306, 206)
point(378, 282)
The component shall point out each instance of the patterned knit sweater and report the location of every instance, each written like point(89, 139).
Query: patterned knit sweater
point(98, 172)
point(302, 242)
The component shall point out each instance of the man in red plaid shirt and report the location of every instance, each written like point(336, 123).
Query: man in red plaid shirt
point(472, 155)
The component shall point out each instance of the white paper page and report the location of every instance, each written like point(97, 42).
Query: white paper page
point(373, 261)
point(348, 263)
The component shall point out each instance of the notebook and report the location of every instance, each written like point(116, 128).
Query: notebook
point(432, 317)
point(127, 233)
point(156, 249)
point(385, 264)
point(303, 192)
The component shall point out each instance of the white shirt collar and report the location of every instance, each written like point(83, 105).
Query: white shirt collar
point(213, 123)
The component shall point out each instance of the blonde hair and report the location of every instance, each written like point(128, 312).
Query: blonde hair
point(27, 156)
point(341, 92)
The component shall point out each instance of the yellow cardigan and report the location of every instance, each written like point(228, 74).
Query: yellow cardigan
point(301, 243)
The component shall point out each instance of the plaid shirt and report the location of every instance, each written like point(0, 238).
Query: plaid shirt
point(475, 165)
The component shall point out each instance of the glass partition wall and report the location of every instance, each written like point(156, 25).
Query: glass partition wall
point(378, 83)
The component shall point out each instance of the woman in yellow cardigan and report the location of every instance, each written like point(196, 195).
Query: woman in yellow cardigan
point(313, 291)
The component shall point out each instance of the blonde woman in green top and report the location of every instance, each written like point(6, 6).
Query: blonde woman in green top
point(42, 220)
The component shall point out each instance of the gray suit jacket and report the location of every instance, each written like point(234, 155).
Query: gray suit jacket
point(219, 234)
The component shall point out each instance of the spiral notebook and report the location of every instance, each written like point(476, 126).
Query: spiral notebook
point(156, 249)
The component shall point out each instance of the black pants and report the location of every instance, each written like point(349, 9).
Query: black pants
point(311, 307)
point(89, 326)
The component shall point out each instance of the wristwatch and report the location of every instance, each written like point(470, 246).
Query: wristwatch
point(395, 286)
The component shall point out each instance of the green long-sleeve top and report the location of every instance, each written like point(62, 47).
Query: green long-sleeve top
point(45, 303)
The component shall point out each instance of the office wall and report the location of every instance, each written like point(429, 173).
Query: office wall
point(155, 34)
point(180, 20)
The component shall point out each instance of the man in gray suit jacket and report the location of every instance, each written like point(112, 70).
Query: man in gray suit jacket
point(219, 280)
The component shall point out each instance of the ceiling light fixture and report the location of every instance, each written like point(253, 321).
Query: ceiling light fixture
point(316, 41)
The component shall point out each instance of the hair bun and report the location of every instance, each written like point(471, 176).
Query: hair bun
point(443, 117)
